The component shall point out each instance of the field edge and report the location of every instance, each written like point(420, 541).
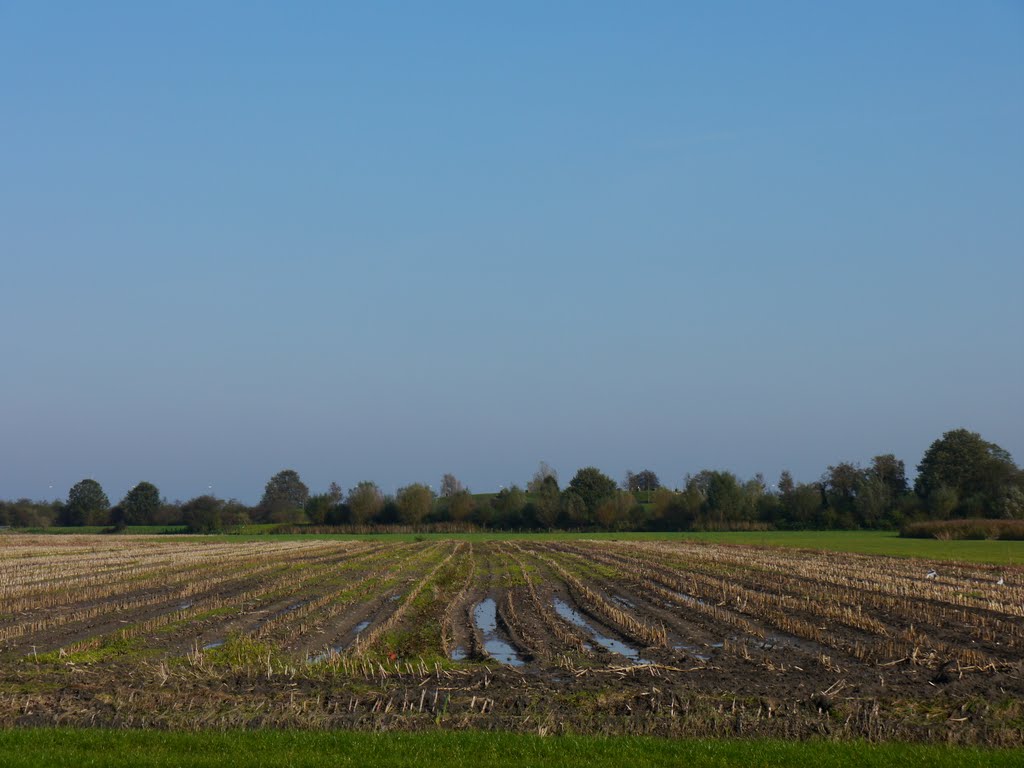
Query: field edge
point(21, 748)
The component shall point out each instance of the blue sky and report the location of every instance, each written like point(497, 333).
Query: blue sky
point(387, 241)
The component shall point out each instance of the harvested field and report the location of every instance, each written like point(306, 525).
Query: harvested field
point(641, 637)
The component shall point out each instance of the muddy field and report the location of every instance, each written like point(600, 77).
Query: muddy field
point(669, 638)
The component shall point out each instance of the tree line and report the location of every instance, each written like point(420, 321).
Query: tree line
point(961, 475)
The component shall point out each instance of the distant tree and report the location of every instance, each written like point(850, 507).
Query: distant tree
point(892, 472)
point(364, 502)
point(284, 495)
point(116, 517)
point(874, 501)
point(725, 500)
point(450, 485)
point(461, 505)
point(942, 502)
point(645, 481)
point(614, 511)
point(574, 509)
point(805, 506)
point(389, 514)
point(25, 513)
point(203, 514)
point(593, 487)
point(786, 484)
point(508, 505)
point(544, 473)
point(234, 514)
point(841, 483)
point(169, 514)
point(547, 502)
point(699, 482)
point(769, 509)
point(319, 507)
point(414, 503)
point(977, 471)
point(141, 504)
point(87, 504)
point(662, 503)
point(1011, 504)
point(335, 493)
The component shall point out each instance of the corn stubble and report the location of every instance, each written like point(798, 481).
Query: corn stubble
point(323, 634)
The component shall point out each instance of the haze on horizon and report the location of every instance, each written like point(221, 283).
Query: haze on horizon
point(386, 242)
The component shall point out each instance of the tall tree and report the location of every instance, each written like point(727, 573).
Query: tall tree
point(285, 492)
point(508, 506)
point(645, 480)
point(547, 502)
point(414, 503)
point(141, 504)
point(319, 507)
point(892, 472)
point(593, 487)
point(364, 502)
point(335, 493)
point(461, 505)
point(726, 500)
point(786, 484)
point(450, 485)
point(614, 511)
point(977, 471)
point(203, 514)
point(87, 504)
point(805, 506)
point(841, 483)
point(544, 473)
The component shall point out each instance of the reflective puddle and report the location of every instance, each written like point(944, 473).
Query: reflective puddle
point(485, 616)
point(571, 615)
point(692, 650)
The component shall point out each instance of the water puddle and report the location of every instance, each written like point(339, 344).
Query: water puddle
point(623, 602)
point(459, 654)
point(361, 627)
point(485, 616)
point(571, 615)
point(692, 651)
point(185, 606)
point(214, 644)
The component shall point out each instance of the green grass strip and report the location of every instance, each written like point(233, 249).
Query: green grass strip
point(88, 748)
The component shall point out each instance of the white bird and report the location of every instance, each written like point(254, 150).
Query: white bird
point(1000, 582)
point(932, 574)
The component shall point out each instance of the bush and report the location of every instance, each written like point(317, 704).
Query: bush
point(971, 528)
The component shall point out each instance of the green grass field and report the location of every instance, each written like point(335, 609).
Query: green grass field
point(161, 749)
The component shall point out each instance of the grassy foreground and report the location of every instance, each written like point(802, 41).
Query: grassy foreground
point(46, 747)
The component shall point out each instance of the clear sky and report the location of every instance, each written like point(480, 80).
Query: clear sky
point(391, 240)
